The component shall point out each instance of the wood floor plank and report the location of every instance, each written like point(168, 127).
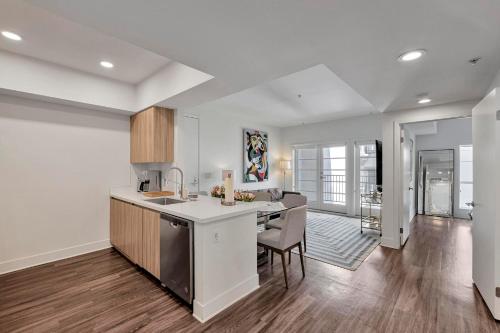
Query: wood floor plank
point(425, 287)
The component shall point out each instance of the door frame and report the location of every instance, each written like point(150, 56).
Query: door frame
point(403, 236)
point(396, 204)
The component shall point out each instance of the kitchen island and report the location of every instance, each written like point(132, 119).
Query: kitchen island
point(225, 247)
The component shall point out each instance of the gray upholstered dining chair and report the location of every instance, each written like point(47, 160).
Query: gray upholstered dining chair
point(289, 201)
point(288, 237)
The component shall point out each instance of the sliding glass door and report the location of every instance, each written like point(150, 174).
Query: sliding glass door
point(320, 174)
point(333, 178)
point(306, 172)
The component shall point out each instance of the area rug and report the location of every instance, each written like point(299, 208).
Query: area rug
point(337, 240)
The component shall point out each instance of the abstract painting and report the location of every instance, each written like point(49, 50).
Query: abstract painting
point(256, 156)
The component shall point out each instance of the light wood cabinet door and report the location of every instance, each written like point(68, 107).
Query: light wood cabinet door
point(133, 234)
point(126, 229)
point(151, 241)
point(117, 224)
point(152, 136)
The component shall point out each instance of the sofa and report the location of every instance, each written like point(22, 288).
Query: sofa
point(276, 193)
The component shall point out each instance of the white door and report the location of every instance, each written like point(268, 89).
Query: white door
point(406, 164)
point(191, 152)
point(486, 222)
point(333, 178)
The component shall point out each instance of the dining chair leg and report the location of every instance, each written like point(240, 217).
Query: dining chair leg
point(289, 257)
point(302, 260)
point(272, 257)
point(305, 249)
point(283, 262)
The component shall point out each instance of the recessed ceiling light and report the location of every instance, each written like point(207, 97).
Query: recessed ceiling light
point(107, 64)
point(411, 55)
point(424, 100)
point(11, 35)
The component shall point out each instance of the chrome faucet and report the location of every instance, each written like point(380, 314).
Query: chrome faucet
point(182, 178)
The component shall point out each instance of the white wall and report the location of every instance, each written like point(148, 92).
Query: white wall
point(171, 80)
point(451, 134)
point(221, 147)
point(27, 75)
point(33, 78)
point(348, 131)
point(57, 164)
point(495, 83)
point(391, 122)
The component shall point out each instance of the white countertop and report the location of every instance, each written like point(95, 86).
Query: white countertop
point(206, 209)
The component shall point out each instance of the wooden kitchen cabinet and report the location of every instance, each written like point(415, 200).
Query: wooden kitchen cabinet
point(135, 232)
point(126, 229)
point(152, 136)
point(151, 241)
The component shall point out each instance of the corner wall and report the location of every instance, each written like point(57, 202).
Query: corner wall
point(221, 147)
point(57, 165)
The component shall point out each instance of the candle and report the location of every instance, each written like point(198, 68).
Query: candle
point(229, 190)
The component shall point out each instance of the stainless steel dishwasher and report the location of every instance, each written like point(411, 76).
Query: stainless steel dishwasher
point(176, 256)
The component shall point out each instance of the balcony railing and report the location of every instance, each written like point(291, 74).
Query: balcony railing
point(334, 189)
point(367, 181)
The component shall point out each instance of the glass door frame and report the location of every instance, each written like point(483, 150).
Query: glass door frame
point(338, 208)
point(357, 174)
point(423, 181)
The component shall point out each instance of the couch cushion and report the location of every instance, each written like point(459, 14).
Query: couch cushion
point(275, 194)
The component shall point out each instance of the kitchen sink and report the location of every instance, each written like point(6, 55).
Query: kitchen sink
point(164, 201)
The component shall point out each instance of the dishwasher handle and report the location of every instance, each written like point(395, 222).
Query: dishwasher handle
point(176, 222)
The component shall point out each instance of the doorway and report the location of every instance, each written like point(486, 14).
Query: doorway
point(442, 170)
point(435, 188)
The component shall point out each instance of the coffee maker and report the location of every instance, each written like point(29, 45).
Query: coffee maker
point(149, 181)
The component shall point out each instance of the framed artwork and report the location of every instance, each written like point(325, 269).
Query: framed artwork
point(256, 156)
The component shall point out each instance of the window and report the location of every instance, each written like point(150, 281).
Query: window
point(334, 175)
point(465, 176)
point(306, 172)
point(367, 168)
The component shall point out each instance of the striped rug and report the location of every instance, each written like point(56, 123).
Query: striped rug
point(337, 240)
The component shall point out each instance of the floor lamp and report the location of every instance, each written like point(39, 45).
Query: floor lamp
point(285, 165)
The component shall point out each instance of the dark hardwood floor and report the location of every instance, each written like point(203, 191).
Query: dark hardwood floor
point(426, 287)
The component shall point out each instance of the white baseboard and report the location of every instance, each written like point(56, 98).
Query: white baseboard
point(390, 242)
point(46, 257)
point(203, 312)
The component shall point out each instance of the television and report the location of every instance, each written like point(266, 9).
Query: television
point(378, 147)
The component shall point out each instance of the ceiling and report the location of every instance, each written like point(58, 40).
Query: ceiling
point(52, 38)
point(310, 95)
point(259, 48)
